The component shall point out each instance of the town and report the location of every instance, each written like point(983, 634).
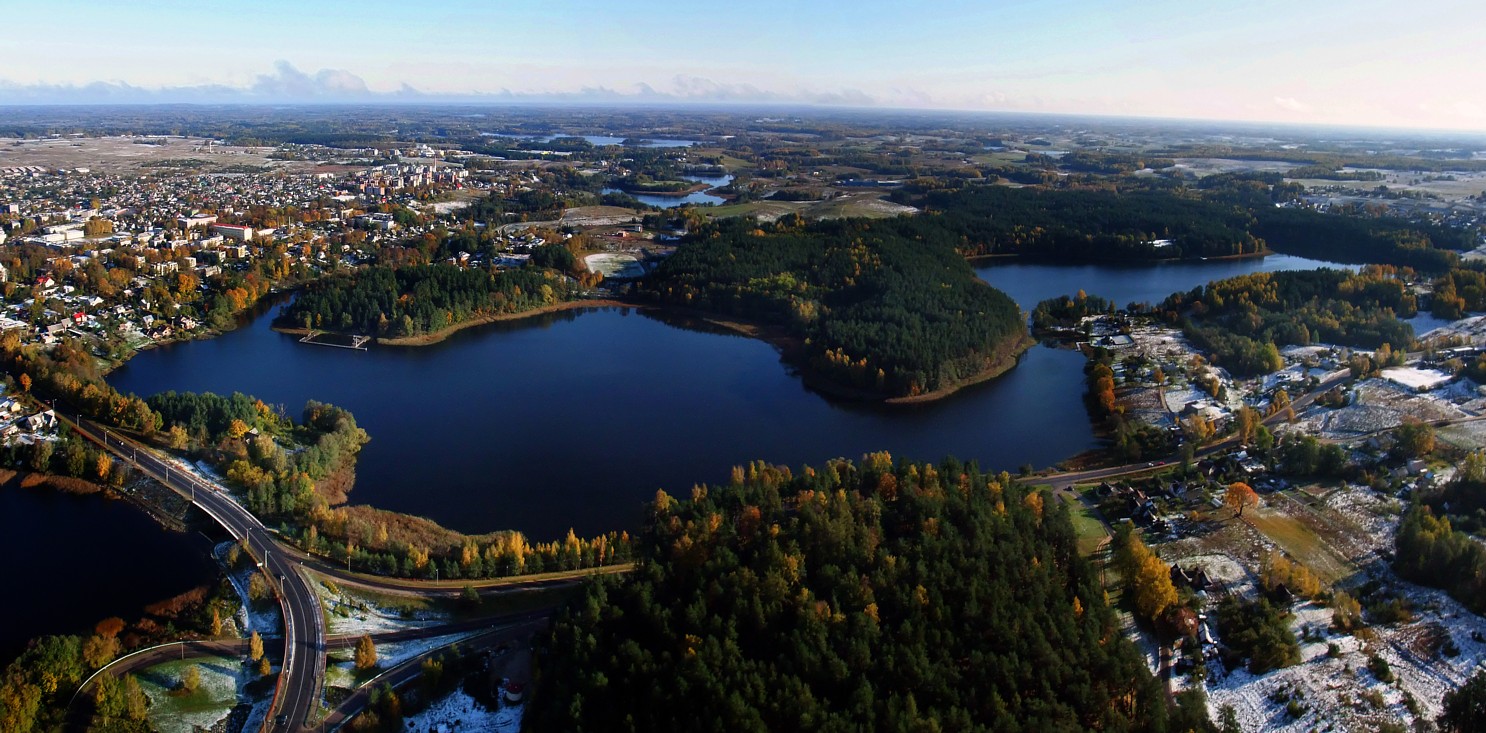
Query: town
point(1291, 396)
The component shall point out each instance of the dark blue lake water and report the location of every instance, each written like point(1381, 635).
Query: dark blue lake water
point(575, 419)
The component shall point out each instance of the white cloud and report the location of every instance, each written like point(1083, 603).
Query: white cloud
point(1291, 104)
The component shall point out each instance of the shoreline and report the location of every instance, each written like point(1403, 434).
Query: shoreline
point(676, 194)
point(429, 339)
point(790, 346)
point(986, 258)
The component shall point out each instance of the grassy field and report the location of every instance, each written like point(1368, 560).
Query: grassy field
point(202, 709)
point(768, 210)
point(1091, 532)
point(1301, 542)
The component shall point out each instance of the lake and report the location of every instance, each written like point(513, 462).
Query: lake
point(601, 140)
point(575, 419)
point(1029, 283)
point(93, 557)
point(671, 202)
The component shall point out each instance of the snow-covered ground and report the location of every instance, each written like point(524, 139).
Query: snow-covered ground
point(1337, 690)
point(340, 665)
point(1415, 378)
point(1471, 329)
point(221, 680)
point(347, 614)
point(448, 207)
point(1378, 404)
point(460, 712)
point(1177, 398)
point(615, 264)
point(264, 620)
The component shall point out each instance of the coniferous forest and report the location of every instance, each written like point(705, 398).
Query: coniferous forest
point(871, 596)
point(409, 301)
point(877, 309)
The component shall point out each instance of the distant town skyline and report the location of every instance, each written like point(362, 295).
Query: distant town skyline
point(1366, 63)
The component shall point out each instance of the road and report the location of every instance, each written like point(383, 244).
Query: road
point(409, 669)
point(238, 648)
point(299, 684)
point(1067, 479)
point(300, 681)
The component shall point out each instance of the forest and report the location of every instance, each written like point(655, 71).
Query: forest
point(878, 595)
point(1067, 311)
point(1459, 292)
point(1361, 240)
point(875, 309)
point(1242, 321)
point(1430, 551)
point(1224, 215)
point(411, 301)
point(1087, 225)
point(245, 439)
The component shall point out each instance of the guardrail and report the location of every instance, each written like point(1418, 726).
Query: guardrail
point(262, 560)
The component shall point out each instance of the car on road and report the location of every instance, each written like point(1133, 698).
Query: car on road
point(283, 719)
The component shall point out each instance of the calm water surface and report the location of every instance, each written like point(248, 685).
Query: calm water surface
point(94, 557)
point(575, 419)
point(671, 202)
point(1030, 283)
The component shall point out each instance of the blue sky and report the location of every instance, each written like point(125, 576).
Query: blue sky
point(1364, 62)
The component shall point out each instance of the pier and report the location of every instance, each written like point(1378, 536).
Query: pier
point(357, 342)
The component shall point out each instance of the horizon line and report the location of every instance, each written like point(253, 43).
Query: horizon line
point(798, 106)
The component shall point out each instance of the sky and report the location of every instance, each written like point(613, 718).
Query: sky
point(1361, 62)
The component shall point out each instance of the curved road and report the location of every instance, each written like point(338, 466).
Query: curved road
point(298, 690)
point(305, 641)
point(300, 681)
point(151, 656)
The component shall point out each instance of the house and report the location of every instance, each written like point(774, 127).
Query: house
point(41, 421)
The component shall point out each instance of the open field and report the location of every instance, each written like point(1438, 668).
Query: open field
point(1091, 532)
point(1301, 542)
point(763, 210)
point(134, 154)
point(171, 711)
point(867, 205)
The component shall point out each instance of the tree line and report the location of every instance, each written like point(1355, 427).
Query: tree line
point(244, 438)
point(410, 301)
point(878, 595)
point(1242, 321)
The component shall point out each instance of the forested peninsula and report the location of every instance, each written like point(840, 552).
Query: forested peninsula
point(864, 306)
point(419, 304)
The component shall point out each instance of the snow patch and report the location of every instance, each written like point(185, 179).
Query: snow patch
point(460, 712)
